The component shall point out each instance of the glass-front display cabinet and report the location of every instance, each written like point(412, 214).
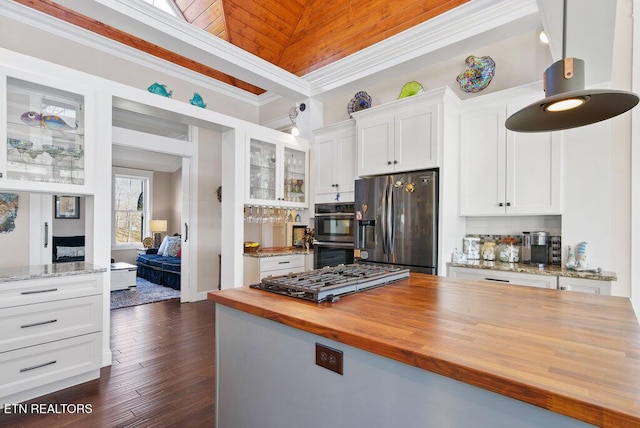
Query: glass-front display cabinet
point(45, 137)
point(277, 174)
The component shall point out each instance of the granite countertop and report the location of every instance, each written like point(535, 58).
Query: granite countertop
point(47, 271)
point(553, 270)
point(571, 353)
point(278, 251)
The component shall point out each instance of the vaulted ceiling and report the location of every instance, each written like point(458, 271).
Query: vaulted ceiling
point(303, 35)
point(316, 48)
point(298, 36)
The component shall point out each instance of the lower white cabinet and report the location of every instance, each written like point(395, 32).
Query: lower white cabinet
point(593, 286)
point(502, 277)
point(256, 268)
point(51, 335)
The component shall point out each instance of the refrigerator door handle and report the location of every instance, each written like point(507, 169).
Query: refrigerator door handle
point(389, 219)
point(392, 213)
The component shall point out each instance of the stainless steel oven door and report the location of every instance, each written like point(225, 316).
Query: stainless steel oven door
point(332, 254)
point(335, 227)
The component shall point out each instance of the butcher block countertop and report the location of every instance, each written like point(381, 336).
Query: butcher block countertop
point(572, 353)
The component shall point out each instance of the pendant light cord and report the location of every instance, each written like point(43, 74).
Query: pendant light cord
point(564, 29)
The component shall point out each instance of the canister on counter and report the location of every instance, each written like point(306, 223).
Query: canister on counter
point(471, 247)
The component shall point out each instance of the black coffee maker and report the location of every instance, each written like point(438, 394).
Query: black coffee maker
point(539, 248)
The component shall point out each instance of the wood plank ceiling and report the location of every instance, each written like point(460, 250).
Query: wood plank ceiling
point(303, 35)
point(299, 36)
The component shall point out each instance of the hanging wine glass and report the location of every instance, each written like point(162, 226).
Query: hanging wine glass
point(288, 217)
point(298, 217)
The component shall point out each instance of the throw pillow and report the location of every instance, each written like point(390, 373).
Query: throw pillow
point(179, 253)
point(173, 246)
point(163, 246)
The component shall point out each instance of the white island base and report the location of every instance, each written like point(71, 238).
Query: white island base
point(267, 377)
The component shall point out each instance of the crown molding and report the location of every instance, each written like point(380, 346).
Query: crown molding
point(460, 24)
point(39, 20)
point(154, 26)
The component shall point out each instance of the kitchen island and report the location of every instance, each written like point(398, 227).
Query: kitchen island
point(429, 351)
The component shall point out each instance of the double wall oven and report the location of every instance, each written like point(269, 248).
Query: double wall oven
point(334, 234)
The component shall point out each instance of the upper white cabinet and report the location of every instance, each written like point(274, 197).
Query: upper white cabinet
point(504, 172)
point(277, 173)
point(335, 166)
point(48, 132)
point(399, 136)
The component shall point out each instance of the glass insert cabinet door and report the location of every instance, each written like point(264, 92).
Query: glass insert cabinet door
point(262, 174)
point(294, 175)
point(45, 134)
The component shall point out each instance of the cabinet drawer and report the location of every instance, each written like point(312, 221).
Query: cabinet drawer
point(501, 277)
point(290, 263)
point(279, 272)
point(16, 293)
point(37, 366)
point(45, 322)
point(593, 286)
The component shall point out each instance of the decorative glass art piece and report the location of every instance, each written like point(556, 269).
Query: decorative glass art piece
point(8, 211)
point(360, 101)
point(477, 74)
point(410, 89)
point(197, 100)
point(160, 89)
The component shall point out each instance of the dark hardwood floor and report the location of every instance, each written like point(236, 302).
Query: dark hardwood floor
point(163, 373)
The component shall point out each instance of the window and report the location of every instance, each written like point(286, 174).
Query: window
point(131, 207)
point(167, 6)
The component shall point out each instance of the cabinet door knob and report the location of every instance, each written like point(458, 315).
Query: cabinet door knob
point(395, 161)
point(508, 204)
point(388, 162)
point(501, 204)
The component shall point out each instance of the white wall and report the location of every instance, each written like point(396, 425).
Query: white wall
point(68, 226)
point(35, 42)
point(209, 209)
point(512, 69)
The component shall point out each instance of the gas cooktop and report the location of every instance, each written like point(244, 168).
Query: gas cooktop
point(328, 283)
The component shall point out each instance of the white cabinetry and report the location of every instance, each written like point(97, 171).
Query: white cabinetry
point(501, 277)
point(51, 337)
point(401, 135)
point(44, 127)
point(504, 172)
point(334, 161)
point(256, 268)
point(277, 172)
point(593, 286)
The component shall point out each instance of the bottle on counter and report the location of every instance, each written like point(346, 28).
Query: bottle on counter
point(525, 253)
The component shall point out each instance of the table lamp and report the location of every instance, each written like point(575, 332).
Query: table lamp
point(157, 227)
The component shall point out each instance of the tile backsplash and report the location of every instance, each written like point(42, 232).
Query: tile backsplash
point(505, 225)
point(496, 229)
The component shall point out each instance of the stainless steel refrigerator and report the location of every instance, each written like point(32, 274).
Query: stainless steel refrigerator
point(397, 220)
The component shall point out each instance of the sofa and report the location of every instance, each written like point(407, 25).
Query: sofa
point(161, 266)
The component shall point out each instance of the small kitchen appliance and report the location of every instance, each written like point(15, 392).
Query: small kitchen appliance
point(539, 248)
